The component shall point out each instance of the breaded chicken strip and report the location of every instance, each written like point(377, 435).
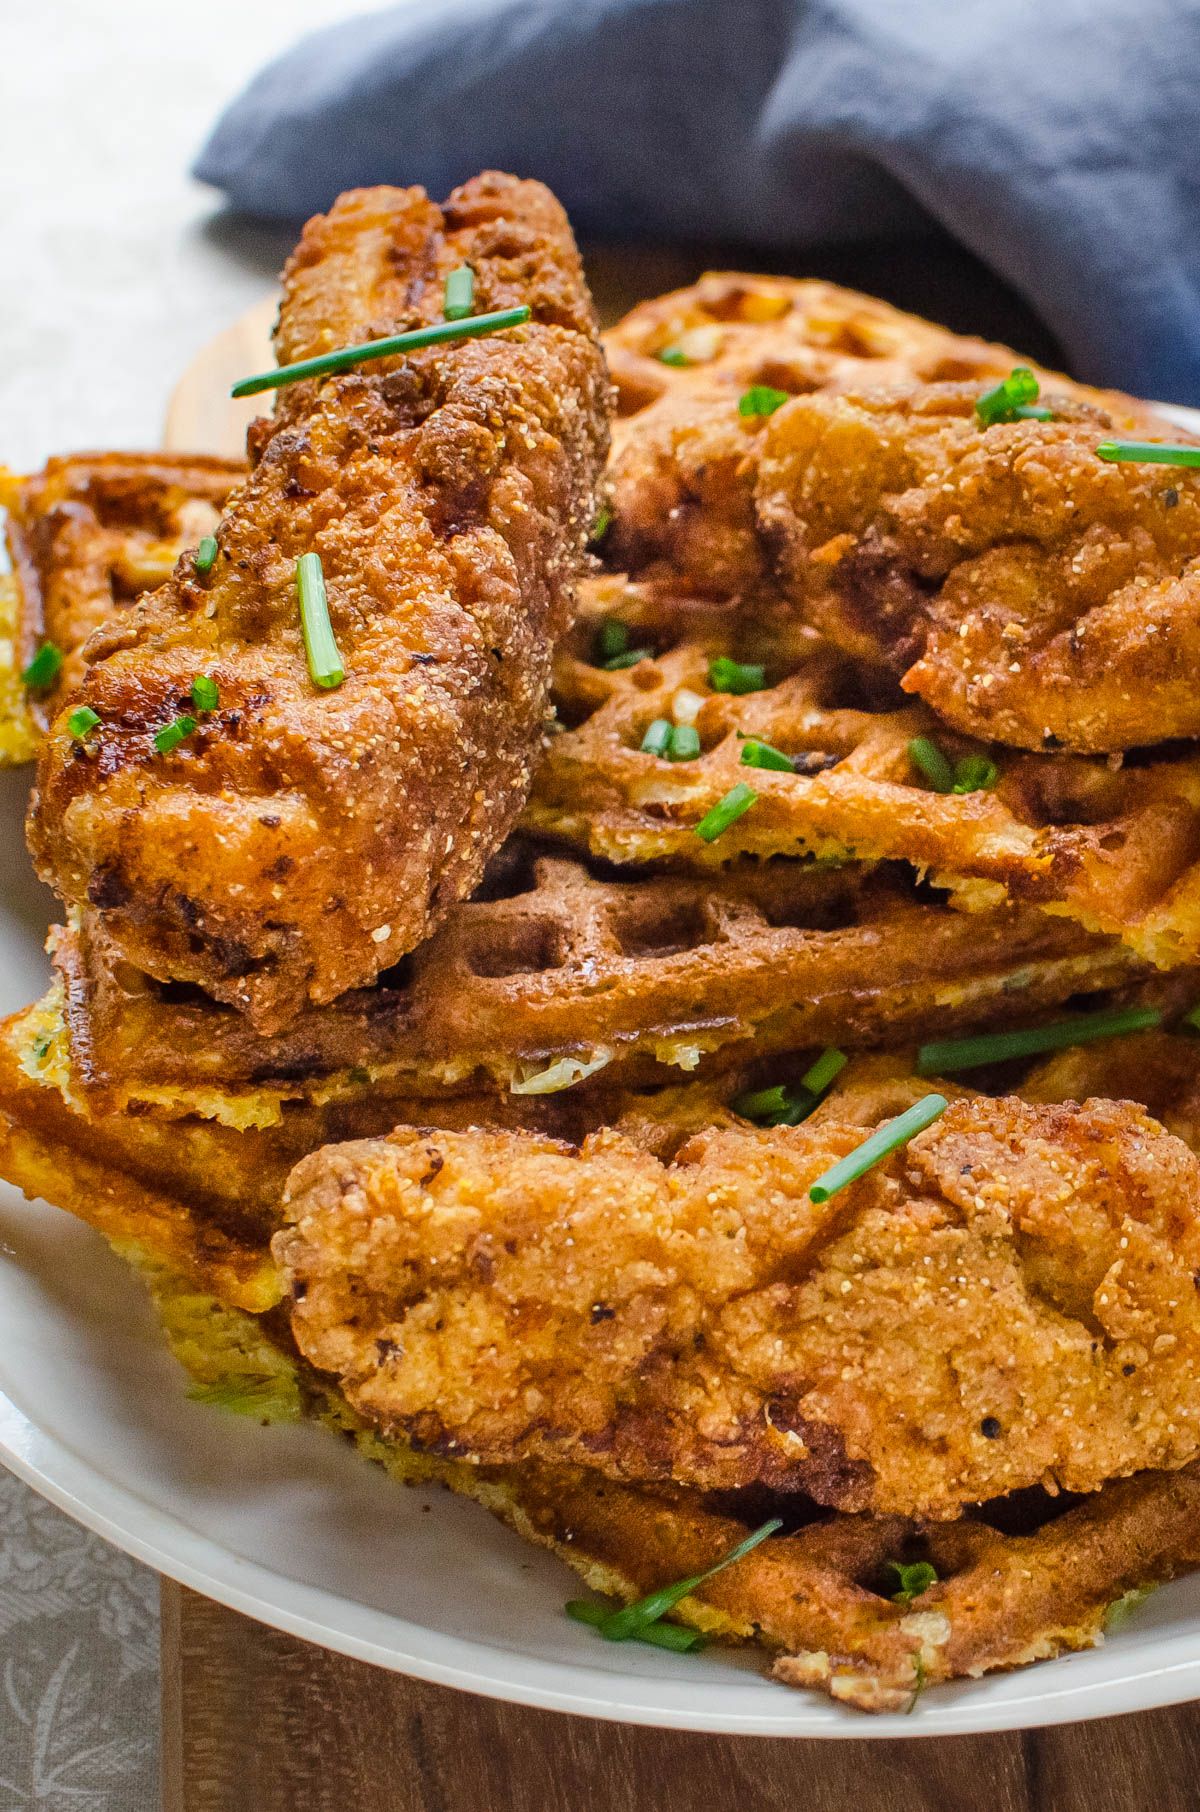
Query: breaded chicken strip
point(1010, 1300)
point(1027, 590)
point(299, 840)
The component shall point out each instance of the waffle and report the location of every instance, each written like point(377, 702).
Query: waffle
point(87, 536)
point(558, 972)
point(1110, 844)
point(681, 479)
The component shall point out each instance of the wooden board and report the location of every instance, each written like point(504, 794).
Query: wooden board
point(256, 1721)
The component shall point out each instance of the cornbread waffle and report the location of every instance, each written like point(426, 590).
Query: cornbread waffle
point(1108, 843)
point(557, 972)
point(88, 535)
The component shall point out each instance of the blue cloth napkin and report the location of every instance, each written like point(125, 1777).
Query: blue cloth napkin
point(1054, 138)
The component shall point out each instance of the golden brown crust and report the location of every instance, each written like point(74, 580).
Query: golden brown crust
point(1027, 590)
point(300, 841)
point(1008, 1301)
point(683, 476)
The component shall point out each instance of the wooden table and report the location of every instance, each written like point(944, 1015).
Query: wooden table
point(255, 1721)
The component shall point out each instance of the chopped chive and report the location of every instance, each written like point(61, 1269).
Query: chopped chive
point(206, 694)
point(778, 1106)
point(738, 677)
point(659, 1635)
point(684, 744)
point(1034, 415)
point(762, 1103)
point(324, 661)
point(829, 1065)
point(657, 739)
point(1192, 1018)
point(1014, 392)
point(913, 1579)
point(761, 399)
point(205, 554)
point(673, 355)
point(172, 734)
point(757, 754)
point(1122, 1608)
point(727, 811)
point(630, 658)
point(82, 722)
point(635, 1619)
point(612, 638)
point(472, 328)
point(928, 759)
point(44, 668)
point(882, 1142)
point(1148, 452)
point(459, 297)
point(940, 1058)
point(975, 774)
point(602, 524)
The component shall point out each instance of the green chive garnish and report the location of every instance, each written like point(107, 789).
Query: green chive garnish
point(975, 774)
point(828, 1066)
point(324, 661)
point(777, 1106)
point(727, 811)
point(940, 1059)
point(928, 759)
point(684, 744)
point(1034, 415)
point(1192, 1018)
point(205, 554)
point(1001, 404)
point(172, 734)
point(82, 722)
point(44, 668)
point(673, 355)
point(659, 1635)
point(632, 1623)
point(1148, 452)
point(761, 399)
point(738, 677)
point(657, 739)
point(459, 294)
point(612, 638)
point(602, 524)
point(757, 754)
point(913, 1580)
point(630, 658)
point(206, 695)
point(882, 1142)
point(472, 328)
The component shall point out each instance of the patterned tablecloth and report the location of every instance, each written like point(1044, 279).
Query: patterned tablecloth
point(109, 242)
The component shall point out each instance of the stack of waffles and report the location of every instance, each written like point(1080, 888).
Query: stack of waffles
point(628, 989)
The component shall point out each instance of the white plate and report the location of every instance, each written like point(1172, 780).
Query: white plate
point(288, 1525)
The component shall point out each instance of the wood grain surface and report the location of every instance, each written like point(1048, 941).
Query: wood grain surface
point(257, 1721)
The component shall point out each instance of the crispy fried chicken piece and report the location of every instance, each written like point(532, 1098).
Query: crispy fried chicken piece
point(299, 841)
point(1010, 1300)
point(1027, 590)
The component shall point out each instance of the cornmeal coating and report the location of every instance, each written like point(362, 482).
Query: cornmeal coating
point(1009, 1301)
point(1029, 591)
point(300, 840)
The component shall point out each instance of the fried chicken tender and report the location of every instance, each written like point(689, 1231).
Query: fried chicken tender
point(1027, 590)
point(1010, 1300)
point(298, 841)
